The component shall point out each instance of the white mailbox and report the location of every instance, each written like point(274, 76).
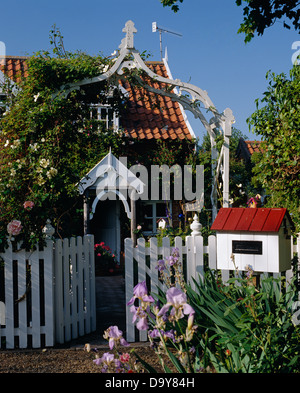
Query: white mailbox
point(260, 237)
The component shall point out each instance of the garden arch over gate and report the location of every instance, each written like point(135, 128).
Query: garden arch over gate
point(130, 58)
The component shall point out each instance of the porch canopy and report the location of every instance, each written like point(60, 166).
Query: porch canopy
point(110, 178)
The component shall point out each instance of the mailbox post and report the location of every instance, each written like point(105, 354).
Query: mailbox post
point(260, 237)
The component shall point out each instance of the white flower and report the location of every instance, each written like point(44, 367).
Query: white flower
point(15, 144)
point(41, 180)
point(51, 173)
point(231, 201)
point(6, 143)
point(13, 172)
point(36, 97)
point(34, 146)
point(44, 163)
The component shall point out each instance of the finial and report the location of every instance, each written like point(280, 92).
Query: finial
point(48, 230)
point(129, 29)
point(196, 226)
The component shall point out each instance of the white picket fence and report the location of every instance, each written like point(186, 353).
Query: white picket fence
point(47, 296)
point(144, 269)
point(141, 262)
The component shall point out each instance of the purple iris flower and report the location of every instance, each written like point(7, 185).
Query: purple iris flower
point(142, 324)
point(161, 265)
point(115, 335)
point(178, 301)
point(140, 291)
point(107, 358)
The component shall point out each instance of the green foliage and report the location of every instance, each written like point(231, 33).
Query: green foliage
point(246, 328)
point(261, 14)
point(171, 3)
point(258, 14)
point(48, 142)
point(278, 122)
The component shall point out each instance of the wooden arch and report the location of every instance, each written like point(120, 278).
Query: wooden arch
point(196, 97)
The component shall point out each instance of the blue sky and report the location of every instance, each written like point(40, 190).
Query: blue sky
point(210, 53)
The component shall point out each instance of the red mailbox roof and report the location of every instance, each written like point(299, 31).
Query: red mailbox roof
point(250, 219)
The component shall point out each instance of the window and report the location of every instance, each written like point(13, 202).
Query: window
point(105, 114)
point(152, 211)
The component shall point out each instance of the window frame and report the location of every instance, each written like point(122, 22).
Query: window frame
point(154, 216)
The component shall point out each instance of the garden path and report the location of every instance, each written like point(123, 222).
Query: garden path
point(110, 310)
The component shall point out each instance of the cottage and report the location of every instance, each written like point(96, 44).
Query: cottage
point(143, 120)
point(260, 237)
point(155, 111)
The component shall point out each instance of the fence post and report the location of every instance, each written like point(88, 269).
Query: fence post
point(194, 252)
point(129, 284)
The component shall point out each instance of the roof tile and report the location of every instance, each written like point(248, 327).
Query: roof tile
point(15, 67)
point(161, 111)
point(250, 219)
point(147, 115)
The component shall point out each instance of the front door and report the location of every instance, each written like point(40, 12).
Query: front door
point(105, 225)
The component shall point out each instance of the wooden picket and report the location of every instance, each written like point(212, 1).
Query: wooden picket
point(47, 296)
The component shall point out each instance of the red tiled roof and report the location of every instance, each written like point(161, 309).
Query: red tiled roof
point(148, 116)
point(15, 67)
point(153, 116)
point(245, 149)
point(250, 219)
point(254, 146)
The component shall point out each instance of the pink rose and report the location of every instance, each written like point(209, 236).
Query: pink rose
point(28, 205)
point(14, 227)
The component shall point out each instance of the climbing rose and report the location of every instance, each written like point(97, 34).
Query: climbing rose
point(28, 205)
point(14, 227)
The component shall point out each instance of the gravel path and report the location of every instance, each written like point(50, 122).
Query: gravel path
point(72, 360)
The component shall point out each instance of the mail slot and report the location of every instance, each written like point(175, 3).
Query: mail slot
point(246, 247)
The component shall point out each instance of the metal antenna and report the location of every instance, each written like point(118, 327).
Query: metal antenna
point(162, 30)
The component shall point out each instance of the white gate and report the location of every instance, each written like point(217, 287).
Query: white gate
point(47, 295)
